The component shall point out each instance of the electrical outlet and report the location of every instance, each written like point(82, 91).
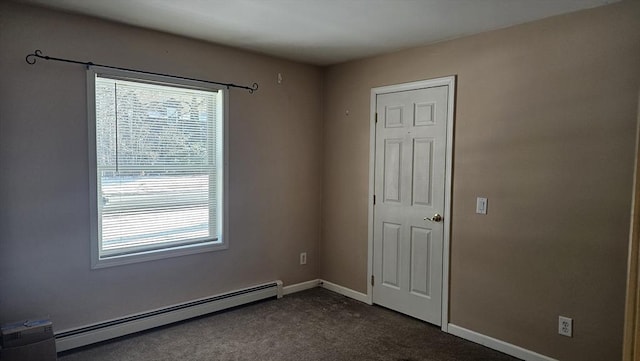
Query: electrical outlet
point(303, 258)
point(565, 326)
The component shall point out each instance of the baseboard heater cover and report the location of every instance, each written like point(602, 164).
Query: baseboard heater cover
point(82, 336)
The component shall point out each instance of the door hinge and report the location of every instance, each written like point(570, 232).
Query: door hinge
point(374, 199)
point(376, 117)
point(372, 280)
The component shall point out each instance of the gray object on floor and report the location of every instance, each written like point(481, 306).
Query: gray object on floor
point(312, 325)
point(27, 340)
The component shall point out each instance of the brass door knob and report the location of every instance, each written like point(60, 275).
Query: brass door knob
point(436, 218)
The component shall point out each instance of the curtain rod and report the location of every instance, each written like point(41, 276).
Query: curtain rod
point(31, 59)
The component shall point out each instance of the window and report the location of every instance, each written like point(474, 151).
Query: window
point(157, 157)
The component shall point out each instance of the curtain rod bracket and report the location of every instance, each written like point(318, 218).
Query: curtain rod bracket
point(33, 57)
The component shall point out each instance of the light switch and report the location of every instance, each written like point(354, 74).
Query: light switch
point(481, 205)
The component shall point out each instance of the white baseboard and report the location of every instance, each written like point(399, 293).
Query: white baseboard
point(82, 336)
point(498, 345)
point(358, 296)
point(287, 290)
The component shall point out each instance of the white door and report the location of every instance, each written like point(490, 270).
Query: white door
point(409, 188)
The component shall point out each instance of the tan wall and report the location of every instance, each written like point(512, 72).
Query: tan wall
point(545, 129)
point(275, 165)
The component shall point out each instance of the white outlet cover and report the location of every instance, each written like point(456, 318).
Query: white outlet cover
point(565, 326)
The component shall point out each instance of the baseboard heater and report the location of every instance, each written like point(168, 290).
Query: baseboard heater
point(82, 336)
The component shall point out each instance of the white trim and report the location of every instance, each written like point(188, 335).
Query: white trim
point(450, 82)
point(448, 191)
point(221, 302)
point(498, 345)
point(358, 296)
point(302, 286)
point(372, 190)
point(287, 290)
point(174, 250)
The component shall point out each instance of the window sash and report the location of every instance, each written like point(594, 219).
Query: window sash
point(145, 221)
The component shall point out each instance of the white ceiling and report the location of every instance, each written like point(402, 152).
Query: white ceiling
point(322, 32)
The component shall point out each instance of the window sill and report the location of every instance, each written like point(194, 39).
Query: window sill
point(178, 251)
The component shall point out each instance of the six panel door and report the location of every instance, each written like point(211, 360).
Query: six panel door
point(409, 187)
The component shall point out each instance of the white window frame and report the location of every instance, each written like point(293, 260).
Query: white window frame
point(171, 251)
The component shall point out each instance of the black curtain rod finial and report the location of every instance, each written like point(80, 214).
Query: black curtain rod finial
point(31, 59)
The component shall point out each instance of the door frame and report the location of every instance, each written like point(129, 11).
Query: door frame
point(631, 340)
point(449, 81)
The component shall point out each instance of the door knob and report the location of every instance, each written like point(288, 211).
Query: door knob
point(436, 218)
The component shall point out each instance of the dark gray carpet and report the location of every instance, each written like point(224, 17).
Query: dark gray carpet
point(312, 325)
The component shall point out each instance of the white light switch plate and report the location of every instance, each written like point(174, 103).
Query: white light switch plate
point(481, 205)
